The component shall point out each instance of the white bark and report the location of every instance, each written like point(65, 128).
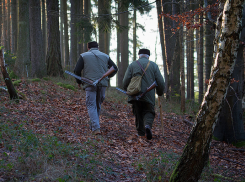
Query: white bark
point(196, 152)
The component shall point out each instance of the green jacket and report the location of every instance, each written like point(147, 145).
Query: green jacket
point(152, 74)
point(94, 64)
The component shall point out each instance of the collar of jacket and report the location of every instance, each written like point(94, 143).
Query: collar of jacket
point(93, 49)
point(143, 58)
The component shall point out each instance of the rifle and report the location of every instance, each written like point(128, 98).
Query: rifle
point(110, 71)
point(84, 80)
point(152, 86)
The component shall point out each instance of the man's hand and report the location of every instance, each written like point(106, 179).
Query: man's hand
point(79, 85)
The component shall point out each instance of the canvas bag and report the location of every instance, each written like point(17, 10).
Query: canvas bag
point(134, 86)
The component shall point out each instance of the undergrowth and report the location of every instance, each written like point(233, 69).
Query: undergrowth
point(27, 156)
point(158, 167)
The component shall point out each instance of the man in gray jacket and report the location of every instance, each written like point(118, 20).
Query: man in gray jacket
point(94, 64)
point(143, 108)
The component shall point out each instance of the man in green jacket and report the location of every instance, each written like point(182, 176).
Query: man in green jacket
point(94, 65)
point(143, 108)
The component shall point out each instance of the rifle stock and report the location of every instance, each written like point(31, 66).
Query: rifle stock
point(110, 71)
point(152, 86)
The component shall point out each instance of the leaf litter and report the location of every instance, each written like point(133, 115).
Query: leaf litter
point(56, 111)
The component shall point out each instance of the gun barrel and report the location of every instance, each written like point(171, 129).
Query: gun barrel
point(85, 80)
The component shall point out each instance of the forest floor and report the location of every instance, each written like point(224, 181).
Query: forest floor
point(46, 137)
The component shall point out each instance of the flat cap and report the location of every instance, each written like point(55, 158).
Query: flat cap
point(144, 51)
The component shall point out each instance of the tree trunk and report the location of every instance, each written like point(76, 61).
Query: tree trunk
point(118, 46)
point(209, 48)
point(13, 26)
point(44, 28)
point(1, 24)
point(200, 60)
point(182, 63)
point(104, 23)
point(8, 26)
point(81, 30)
point(73, 34)
point(160, 27)
point(11, 90)
point(229, 127)
point(4, 25)
point(62, 52)
point(196, 152)
point(192, 64)
point(169, 42)
point(134, 35)
point(54, 67)
point(38, 67)
point(66, 37)
point(22, 63)
point(182, 69)
point(123, 19)
point(87, 11)
point(175, 70)
point(78, 29)
point(188, 61)
point(190, 57)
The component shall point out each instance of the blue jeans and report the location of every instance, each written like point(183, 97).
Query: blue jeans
point(94, 98)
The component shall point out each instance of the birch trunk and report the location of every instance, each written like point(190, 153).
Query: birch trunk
point(196, 152)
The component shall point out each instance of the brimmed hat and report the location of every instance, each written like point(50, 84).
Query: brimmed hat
point(92, 44)
point(144, 51)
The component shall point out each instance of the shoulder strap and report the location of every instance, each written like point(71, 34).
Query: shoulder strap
point(98, 57)
point(144, 71)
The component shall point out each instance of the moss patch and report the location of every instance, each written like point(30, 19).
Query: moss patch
point(12, 75)
point(46, 78)
point(17, 82)
point(239, 144)
point(35, 80)
point(66, 86)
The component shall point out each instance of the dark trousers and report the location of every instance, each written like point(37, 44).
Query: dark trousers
point(144, 113)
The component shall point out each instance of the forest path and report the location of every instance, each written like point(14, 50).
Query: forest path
point(53, 110)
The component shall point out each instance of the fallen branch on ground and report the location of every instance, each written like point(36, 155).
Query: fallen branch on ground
point(229, 160)
point(188, 122)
